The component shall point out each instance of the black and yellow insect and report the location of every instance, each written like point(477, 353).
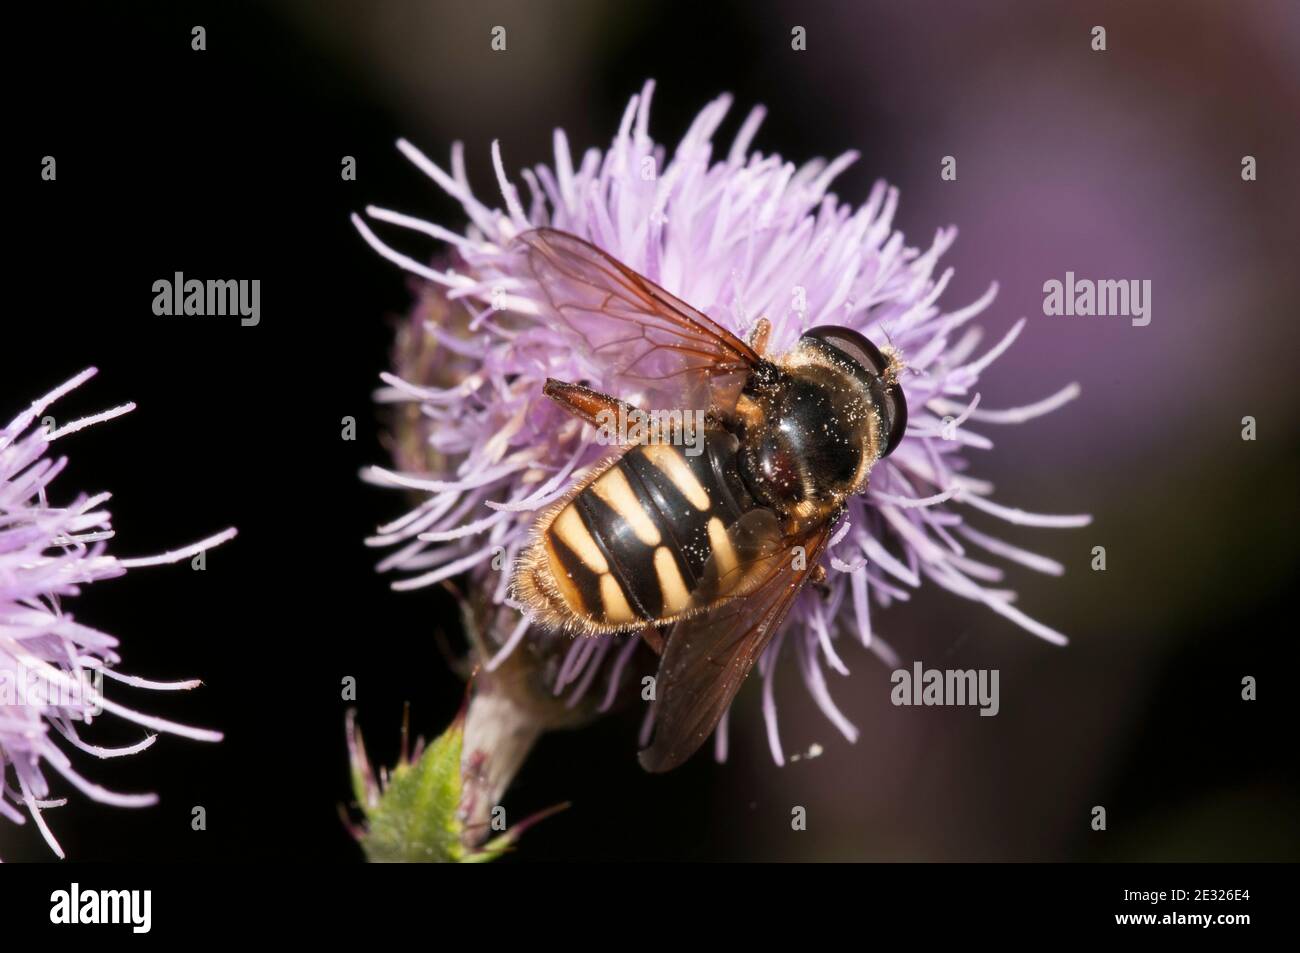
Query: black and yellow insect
point(702, 552)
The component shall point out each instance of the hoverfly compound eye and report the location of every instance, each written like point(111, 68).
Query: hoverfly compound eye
point(852, 345)
point(870, 366)
point(893, 407)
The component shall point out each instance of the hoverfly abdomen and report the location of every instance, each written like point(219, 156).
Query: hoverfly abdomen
point(639, 543)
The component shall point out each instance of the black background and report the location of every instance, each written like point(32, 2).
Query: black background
point(226, 164)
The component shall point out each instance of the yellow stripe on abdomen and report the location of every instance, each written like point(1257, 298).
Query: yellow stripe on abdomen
point(570, 530)
point(669, 460)
point(671, 584)
point(616, 491)
point(617, 609)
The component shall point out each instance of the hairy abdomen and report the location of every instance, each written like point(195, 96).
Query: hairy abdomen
point(640, 542)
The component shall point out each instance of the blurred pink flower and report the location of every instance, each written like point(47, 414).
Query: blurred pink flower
point(51, 666)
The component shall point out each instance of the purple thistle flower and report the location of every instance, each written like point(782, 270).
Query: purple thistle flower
point(51, 666)
point(738, 235)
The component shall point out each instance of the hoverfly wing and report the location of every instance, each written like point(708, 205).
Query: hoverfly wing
point(707, 657)
point(678, 357)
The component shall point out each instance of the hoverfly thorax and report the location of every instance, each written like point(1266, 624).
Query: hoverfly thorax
point(813, 431)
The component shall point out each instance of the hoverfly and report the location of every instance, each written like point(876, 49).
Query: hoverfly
point(703, 554)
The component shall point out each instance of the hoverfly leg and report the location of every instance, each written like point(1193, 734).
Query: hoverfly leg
point(586, 404)
point(758, 336)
